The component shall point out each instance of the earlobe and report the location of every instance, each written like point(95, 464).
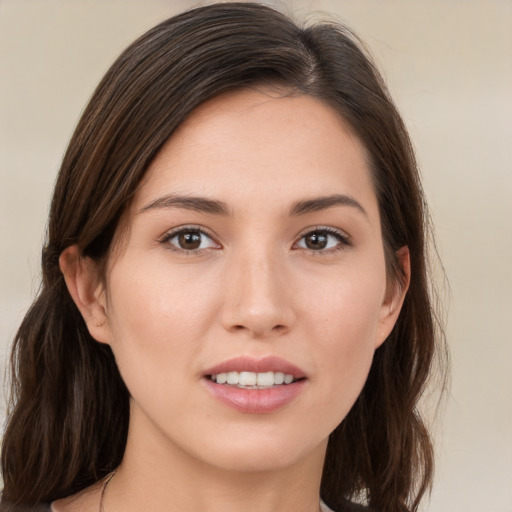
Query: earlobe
point(394, 299)
point(87, 291)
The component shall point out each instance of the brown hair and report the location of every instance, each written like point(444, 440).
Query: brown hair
point(69, 408)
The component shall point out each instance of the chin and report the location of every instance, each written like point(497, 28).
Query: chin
point(262, 454)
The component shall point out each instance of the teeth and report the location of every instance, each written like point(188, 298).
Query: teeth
point(247, 379)
point(253, 380)
point(266, 379)
point(233, 378)
point(222, 378)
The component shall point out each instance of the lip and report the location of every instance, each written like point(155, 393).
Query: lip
point(256, 401)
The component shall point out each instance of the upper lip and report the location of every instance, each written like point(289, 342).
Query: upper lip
point(251, 364)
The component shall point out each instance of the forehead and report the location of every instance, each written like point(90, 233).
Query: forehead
point(261, 145)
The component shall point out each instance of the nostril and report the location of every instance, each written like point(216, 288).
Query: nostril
point(278, 328)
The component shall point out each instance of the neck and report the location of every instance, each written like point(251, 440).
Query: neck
point(157, 475)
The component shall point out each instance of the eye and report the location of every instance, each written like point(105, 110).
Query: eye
point(190, 239)
point(323, 239)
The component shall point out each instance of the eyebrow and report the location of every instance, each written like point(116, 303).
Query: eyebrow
point(322, 203)
point(205, 205)
point(198, 204)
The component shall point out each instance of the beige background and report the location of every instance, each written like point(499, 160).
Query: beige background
point(449, 66)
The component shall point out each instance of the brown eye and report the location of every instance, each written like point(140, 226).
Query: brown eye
point(189, 240)
point(324, 240)
point(316, 241)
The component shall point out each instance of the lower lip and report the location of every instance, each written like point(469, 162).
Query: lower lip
point(255, 401)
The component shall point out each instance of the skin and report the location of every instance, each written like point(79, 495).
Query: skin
point(253, 288)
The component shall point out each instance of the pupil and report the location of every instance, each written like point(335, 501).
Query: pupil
point(316, 241)
point(189, 240)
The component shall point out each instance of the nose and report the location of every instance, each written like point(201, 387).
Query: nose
point(257, 299)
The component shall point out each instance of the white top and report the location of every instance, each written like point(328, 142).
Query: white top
point(324, 507)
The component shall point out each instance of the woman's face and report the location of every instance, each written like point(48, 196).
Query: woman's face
point(254, 255)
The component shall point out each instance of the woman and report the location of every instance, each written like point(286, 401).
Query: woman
point(235, 309)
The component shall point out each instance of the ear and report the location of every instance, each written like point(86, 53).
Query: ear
point(87, 291)
point(394, 298)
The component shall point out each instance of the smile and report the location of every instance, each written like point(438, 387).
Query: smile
point(255, 386)
point(253, 380)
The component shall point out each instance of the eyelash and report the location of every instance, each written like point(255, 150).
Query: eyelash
point(342, 238)
point(166, 239)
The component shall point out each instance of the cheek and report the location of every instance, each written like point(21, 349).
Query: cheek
point(346, 308)
point(158, 320)
point(342, 373)
point(156, 301)
point(347, 339)
point(344, 324)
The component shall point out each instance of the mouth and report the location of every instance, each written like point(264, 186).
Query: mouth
point(255, 386)
point(253, 380)
point(246, 371)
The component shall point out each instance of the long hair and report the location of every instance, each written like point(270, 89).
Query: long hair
point(69, 408)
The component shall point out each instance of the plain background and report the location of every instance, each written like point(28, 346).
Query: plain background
point(448, 65)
